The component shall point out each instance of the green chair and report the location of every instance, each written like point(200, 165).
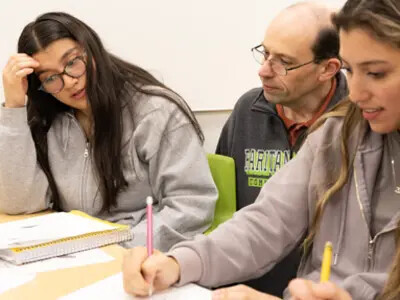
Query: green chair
point(223, 172)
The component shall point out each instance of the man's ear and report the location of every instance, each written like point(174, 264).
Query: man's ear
point(329, 68)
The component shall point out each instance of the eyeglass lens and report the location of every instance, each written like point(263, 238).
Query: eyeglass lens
point(74, 68)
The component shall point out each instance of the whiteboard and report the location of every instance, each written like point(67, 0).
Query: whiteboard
point(201, 49)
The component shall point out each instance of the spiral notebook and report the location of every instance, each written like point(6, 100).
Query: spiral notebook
point(57, 234)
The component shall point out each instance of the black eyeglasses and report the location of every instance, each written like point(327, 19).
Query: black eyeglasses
point(277, 66)
point(75, 68)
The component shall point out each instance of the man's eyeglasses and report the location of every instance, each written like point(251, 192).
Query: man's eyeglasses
point(75, 68)
point(277, 66)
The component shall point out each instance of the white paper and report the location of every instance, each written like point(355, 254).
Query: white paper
point(62, 262)
point(9, 280)
point(46, 228)
point(112, 288)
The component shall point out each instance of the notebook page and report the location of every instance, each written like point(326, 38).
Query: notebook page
point(47, 228)
point(111, 288)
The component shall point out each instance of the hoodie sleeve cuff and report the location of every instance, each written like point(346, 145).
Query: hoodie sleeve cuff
point(189, 263)
point(13, 117)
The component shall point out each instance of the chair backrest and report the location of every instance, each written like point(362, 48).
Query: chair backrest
point(223, 172)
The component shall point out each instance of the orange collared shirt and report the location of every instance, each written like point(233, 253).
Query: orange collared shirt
point(294, 128)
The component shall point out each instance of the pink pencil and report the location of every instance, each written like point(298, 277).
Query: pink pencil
point(149, 211)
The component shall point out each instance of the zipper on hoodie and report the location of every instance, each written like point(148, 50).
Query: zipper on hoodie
point(372, 241)
point(86, 153)
point(371, 247)
point(371, 244)
point(85, 164)
point(84, 178)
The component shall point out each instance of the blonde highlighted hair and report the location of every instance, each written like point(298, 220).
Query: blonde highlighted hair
point(352, 117)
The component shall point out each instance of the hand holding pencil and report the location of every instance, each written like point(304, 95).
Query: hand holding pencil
point(301, 289)
point(145, 269)
point(141, 272)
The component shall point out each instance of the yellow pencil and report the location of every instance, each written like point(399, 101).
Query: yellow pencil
point(326, 262)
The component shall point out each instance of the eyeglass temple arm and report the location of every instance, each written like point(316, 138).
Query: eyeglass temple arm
point(255, 48)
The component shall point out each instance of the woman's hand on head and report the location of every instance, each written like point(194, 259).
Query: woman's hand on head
point(240, 292)
point(15, 83)
point(142, 273)
point(301, 289)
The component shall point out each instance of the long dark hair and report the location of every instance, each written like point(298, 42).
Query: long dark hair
point(104, 85)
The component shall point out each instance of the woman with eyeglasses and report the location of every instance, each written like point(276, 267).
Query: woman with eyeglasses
point(82, 129)
point(343, 186)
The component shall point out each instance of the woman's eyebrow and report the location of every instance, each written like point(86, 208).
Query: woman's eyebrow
point(62, 58)
point(68, 52)
point(367, 62)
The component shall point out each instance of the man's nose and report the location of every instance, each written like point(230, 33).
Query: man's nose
point(266, 69)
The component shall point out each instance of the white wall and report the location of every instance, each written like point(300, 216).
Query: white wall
point(211, 123)
point(199, 48)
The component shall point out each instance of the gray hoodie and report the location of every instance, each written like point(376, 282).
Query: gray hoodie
point(261, 234)
point(162, 157)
